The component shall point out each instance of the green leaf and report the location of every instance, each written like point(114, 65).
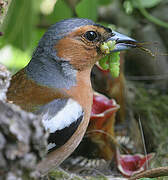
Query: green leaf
point(18, 24)
point(105, 2)
point(61, 11)
point(128, 7)
point(87, 9)
point(146, 3)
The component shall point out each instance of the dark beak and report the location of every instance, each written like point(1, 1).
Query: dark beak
point(123, 42)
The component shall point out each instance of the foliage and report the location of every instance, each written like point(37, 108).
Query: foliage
point(129, 5)
point(61, 11)
point(87, 9)
point(18, 18)
point(146, 4)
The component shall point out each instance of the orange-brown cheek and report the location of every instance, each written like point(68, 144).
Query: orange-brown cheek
point(65, 49)
point(77, 53)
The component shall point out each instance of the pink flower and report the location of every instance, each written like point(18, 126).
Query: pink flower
point(101, 126)
point(129, 165)
point(102, 109)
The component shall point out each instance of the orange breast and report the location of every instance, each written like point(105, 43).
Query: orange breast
point(28, 95)
point(82, 92)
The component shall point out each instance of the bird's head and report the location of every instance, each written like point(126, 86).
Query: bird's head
point(76, 43)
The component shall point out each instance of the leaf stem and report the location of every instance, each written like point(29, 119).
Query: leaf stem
point(151, 18)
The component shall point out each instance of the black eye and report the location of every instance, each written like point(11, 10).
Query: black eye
point(90, 35)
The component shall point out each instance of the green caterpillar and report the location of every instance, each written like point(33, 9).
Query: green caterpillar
point(112, 61)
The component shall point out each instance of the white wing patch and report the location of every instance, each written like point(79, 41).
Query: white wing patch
point(64, 118)
point(50, 146)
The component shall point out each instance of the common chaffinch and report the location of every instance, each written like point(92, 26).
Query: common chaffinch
point(56, 82)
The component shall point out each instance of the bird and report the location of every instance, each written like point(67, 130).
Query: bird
point(56, 82)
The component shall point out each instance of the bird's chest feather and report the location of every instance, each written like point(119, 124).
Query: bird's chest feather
point(82, 92)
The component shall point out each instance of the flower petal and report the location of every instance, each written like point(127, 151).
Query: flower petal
point(129, 165)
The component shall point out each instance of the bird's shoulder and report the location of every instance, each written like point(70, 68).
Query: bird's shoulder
point(28, 94)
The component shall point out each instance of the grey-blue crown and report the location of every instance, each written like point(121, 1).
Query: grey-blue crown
point(56, 32)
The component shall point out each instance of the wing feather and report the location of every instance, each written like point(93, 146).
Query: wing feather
point(61, 118)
